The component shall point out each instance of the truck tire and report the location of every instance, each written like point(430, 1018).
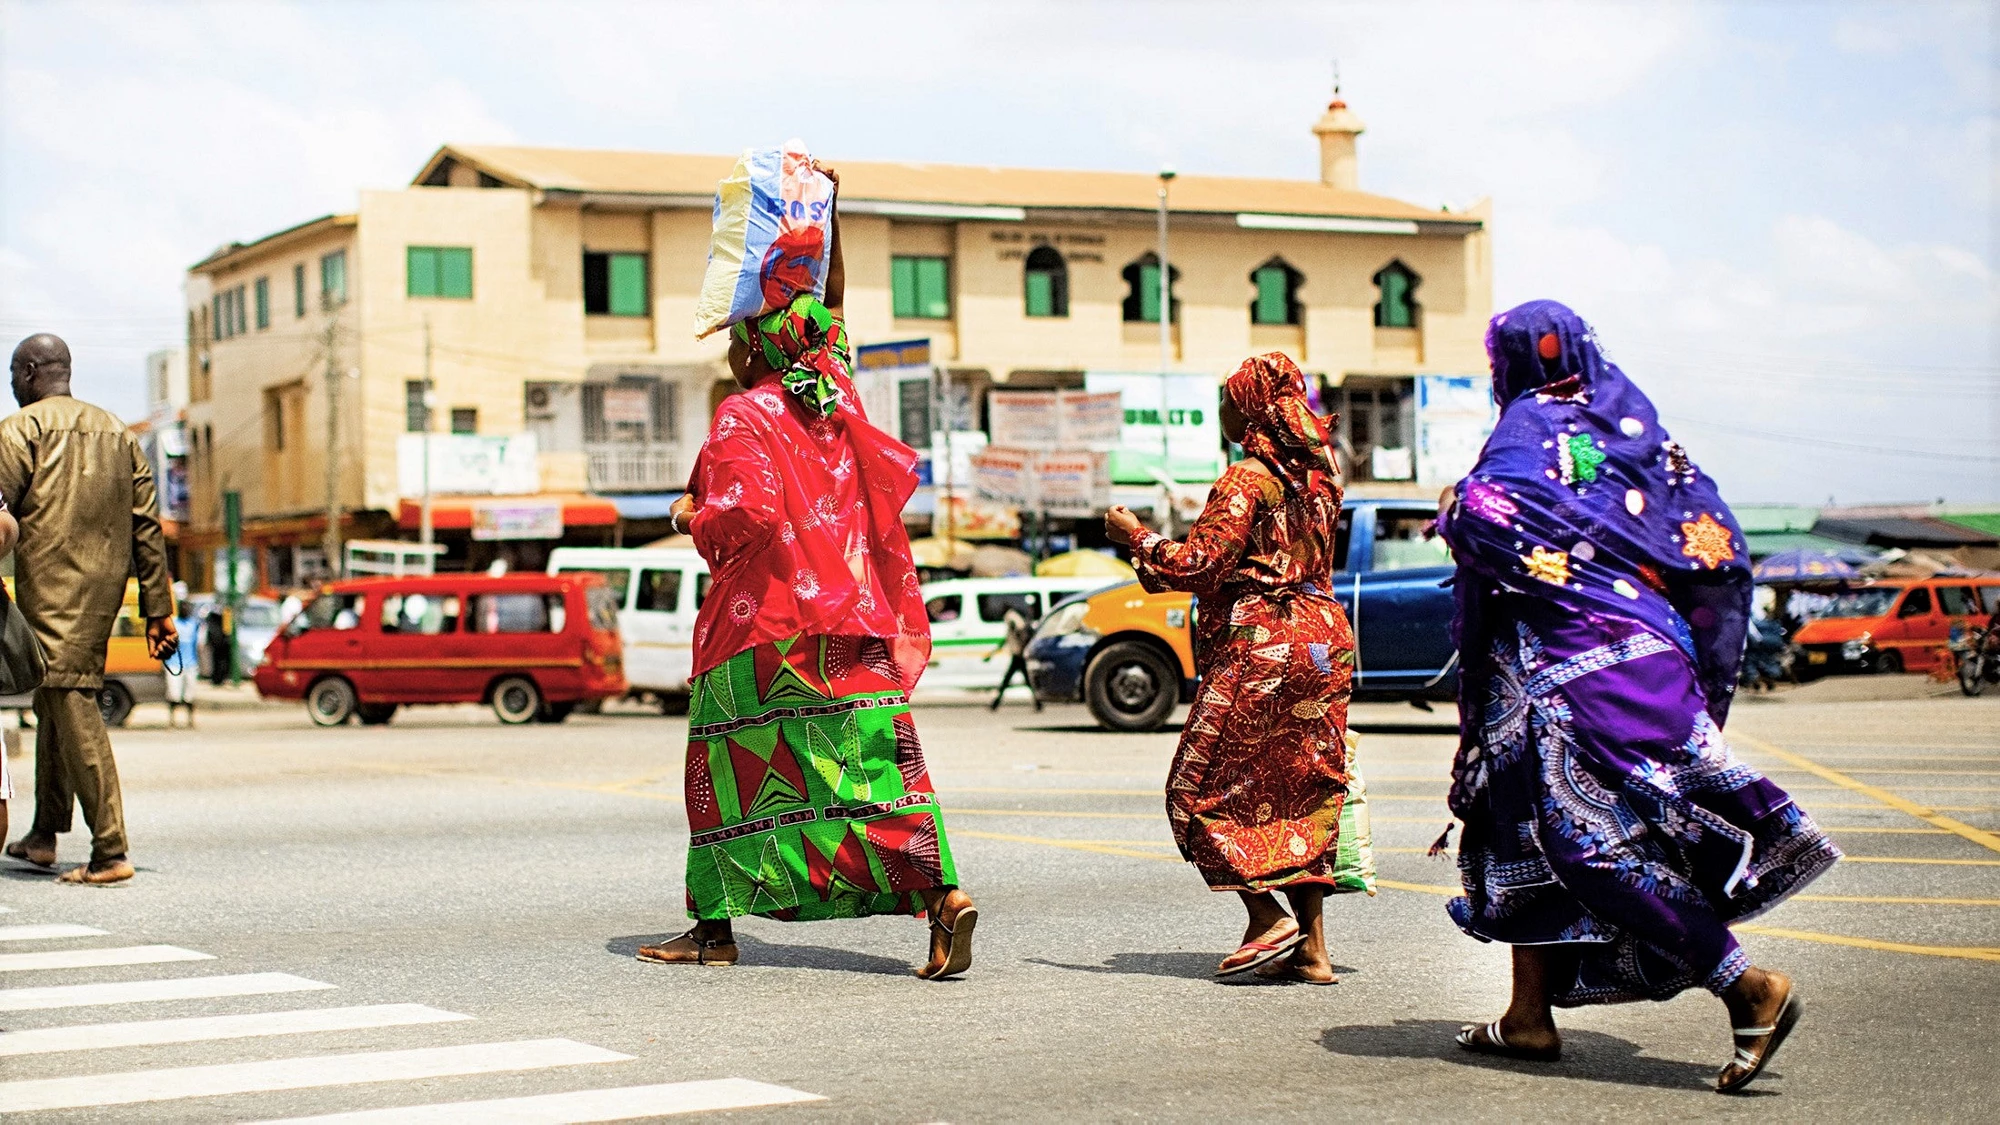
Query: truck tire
point(331, 702)
point(376, 714)
point(114, 702)
point(1888, 662)
point(1131, 686)
point(516, 700)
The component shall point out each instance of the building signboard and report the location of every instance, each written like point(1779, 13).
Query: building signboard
point(1455, 415)
point(1056, 482)
point(469, 464)
point(1183, 406)
point(1056, 419)
point(517, 519)
point(628, 405)
point(894, 381)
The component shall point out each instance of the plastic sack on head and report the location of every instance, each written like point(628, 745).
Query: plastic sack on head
point(773, 234)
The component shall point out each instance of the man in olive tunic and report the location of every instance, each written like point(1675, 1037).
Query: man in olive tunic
point(83, 492)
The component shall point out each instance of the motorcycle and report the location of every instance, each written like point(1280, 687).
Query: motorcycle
point(1978, 660)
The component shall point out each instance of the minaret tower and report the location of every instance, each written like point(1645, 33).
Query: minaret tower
point(1336, 131)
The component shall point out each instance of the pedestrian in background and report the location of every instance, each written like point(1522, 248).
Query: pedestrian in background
point(1603, 589)
point(1256, 786)
point(83, 492)
point(10, 531)
point(807, 794)
point(182, 663)
point(1020, 630)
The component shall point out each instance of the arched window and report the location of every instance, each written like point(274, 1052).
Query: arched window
point(1398, 306)
point(1045, 282)
point(1277, 287)
point(1142, 290)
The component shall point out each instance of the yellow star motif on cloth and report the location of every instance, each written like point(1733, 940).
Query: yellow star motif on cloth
point(1548, 566)
point(1708, 541)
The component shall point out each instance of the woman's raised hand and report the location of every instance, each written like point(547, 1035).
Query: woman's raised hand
point(1120, 525)
point(681, 515)
point(829, 172)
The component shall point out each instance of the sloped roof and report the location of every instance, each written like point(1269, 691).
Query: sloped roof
point(1987, 523)
point(1905, 531)
point(664, 173)
point(1763, 518)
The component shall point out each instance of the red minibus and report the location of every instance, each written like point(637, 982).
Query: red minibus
point(531, 645)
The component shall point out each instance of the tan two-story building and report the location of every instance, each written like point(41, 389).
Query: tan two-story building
point(548, 294)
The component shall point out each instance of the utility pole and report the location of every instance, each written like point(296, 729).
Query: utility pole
point(330, 540)
point(424, 533)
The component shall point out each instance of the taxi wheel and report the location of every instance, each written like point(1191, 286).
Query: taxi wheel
point(1131, 687)
point(1887, 663)
point(114, 703)
point(516, 699)
point(331, 702)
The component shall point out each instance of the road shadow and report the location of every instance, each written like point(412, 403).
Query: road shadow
point(1591, 1056)
point(1186, 965)
point(1445, 727)
point(758, 953)
point(1093, 728)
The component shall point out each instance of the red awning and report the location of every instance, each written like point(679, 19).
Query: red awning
point(454, 513)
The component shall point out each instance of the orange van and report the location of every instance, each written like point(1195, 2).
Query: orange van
point(531, 645)
point(1894, 625)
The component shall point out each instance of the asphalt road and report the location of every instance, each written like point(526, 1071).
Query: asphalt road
point(447, 867)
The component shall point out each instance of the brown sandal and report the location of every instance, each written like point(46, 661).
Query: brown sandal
point(90, 874)
point(40, 857)
point(958, 938)
point(697, 952)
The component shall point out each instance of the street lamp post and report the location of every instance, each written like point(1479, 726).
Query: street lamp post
point(1166, 357)
point(425, 529)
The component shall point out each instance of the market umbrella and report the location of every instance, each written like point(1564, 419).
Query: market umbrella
point(1084, 564)
point(934, 553)
point(990, 561)
point(1803, 565)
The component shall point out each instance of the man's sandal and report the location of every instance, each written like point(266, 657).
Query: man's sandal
point(697, 951)
point(1763, 1043)
point(90, 874)
point(1487, 1040)
point(958, 941)
point(40, 857)
point(1261, 953)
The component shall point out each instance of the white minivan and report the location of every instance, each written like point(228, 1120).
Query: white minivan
point(968, 621)
point(658, 590)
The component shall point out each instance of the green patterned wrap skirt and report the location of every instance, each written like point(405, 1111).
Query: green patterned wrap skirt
point(807, 795)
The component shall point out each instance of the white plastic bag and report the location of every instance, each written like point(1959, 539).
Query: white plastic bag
point(772, 238)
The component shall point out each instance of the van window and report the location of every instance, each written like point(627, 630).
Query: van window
point(659, 590)
point(702, 582)
point(258, 615)
point(1055, 596)
point(424, 615)
point(944, 608)
point(1991, 596)
point(1400, 542)
point(1872, 602)
point(1917, 604)
point(329, 611)
point(1343, 536)
point(617, 578)
point(517, 613)
point(993, 607)
point(1958, 601)
point(603, 611)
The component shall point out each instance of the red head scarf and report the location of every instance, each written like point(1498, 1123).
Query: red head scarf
point(1283, 433)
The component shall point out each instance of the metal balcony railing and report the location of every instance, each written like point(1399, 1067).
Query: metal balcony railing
point(615, 467)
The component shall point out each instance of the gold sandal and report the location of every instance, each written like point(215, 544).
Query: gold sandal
point(698, 952)
point(958, 939)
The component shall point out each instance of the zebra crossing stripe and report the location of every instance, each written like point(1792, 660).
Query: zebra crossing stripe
point(295, 1074)
point(47, 931)
point(147, 1033)
point(98, 958)
point(151, 991)
point(619, 1104)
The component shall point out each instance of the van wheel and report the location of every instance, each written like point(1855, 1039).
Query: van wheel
point(674, 703)
point(1131, 687)
point(554, 712)
point(516, 699)
point(114, 702)
point(376, 714)
point(1887, 663)
point(331, 702)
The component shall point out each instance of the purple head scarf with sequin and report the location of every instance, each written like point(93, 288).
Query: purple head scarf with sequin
point(1581, 498)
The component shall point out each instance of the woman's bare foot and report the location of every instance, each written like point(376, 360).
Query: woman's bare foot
point(1302, 967)
point(1529, 1039)
point(953, 917)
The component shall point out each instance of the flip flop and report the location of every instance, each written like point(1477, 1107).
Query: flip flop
point(1749, 1060)
point(1264, 953)
point(1496, 1044)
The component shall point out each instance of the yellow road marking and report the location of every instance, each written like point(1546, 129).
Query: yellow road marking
point(1886, 831)
point(1421, 888)
point(1929, 815)
point(1935, 862)
point(614, 789)
point(1968, 952)
point(1897, 900)
point(1160, 792)
point(951, 812)
point(1073, 845)
point(1902, 773)
point(1885, 806)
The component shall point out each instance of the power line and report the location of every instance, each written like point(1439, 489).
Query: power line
point(1834, 443)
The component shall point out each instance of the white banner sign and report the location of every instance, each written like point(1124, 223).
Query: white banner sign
point(1056, 419)
point(1183, 405)
point(1455, 415)
point(469, 465)
point(1061, 483)
point(529, 519)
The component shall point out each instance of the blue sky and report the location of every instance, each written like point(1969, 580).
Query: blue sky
point(1780, 217)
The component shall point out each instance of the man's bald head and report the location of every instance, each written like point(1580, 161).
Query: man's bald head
point(40, 368)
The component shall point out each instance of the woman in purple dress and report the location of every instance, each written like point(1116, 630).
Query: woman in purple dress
point(1603, 590)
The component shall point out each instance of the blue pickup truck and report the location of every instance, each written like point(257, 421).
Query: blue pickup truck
point(1130, 654)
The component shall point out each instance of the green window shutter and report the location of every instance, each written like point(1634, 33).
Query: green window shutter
point(903, 286)
point(299, 290)
point(333, 277)
point(1273, 303)
point(1041, 294)
point(933, 289)
point(263, 302)
point(455, 272)
point(628, 285)
point(423, 271)
point(218, 328)
point(1149, 294)
point(1395, 300)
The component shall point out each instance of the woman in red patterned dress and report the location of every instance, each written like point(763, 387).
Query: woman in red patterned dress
point(1256, 787)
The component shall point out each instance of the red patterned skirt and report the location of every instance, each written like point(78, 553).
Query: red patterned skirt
point(1256, 787)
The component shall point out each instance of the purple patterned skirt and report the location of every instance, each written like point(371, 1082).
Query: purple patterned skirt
point(1609, 815)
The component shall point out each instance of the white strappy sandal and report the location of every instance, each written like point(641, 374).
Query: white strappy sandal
point(1496, 1044)
point(1750, 1060)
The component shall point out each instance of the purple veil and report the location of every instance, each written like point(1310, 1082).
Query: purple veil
point(1582, 499)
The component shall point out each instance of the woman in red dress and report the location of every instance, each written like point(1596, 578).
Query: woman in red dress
point(1256, 787)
